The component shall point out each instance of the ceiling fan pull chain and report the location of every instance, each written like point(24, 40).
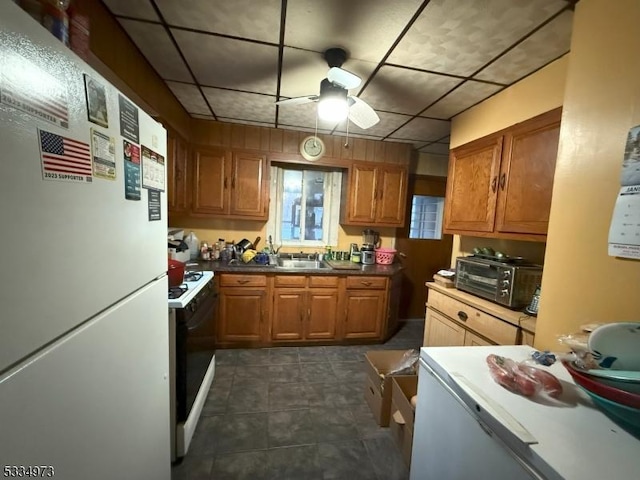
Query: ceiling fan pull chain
point(346, 143)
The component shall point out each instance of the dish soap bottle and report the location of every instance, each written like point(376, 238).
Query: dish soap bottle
point(193, 244)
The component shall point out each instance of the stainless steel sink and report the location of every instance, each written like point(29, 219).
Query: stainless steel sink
point(302, 264)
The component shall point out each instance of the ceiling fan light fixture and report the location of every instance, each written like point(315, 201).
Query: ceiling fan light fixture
point(332, 106)
point(333, 109)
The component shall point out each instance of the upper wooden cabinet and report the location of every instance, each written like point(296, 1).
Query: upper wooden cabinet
point(229, 183)
point(177, 174)
point(375, 195)
point(501, 185)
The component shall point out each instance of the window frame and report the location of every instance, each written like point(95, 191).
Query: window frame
point(332, 190)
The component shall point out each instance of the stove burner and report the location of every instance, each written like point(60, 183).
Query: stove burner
point(177, 292)
point(192, 276)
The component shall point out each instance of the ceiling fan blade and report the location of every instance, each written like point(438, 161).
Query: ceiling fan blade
point(298, 100)
point(361, 113)
point(343, 78)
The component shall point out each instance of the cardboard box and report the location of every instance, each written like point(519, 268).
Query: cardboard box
point(402, 413)
point(378, 391)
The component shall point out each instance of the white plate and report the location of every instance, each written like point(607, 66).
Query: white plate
point(616, 346)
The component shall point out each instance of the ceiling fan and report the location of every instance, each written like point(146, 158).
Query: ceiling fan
point(334, 101)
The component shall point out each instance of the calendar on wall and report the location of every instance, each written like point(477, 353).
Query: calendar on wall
point(624, 232)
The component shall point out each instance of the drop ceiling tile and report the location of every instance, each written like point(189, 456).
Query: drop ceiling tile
point(387, 124)
point(140, 9)
point(302, 116)
point(157, 47)
point(241, 105)
point(436, 148)
point(190, 97)
point(366, 29)
point(463, 97)
point(246, 122)
point(422, 130)
point(227, 63)
point(400, 90)
point(239, 18)
point(550, 42)
point(460, 37)
point(304, 129)
point(303, 70)
point(202, 117)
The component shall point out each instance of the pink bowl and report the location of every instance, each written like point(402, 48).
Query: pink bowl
point(605, 391)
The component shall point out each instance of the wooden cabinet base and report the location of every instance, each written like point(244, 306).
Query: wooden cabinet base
point(257, 310)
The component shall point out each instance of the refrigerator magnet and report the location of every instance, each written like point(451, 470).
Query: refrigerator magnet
point(103, 153)
point(131, 153)
point(96, 95)
point(152, 169)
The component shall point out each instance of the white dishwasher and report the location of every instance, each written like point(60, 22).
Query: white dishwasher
point(468, 426)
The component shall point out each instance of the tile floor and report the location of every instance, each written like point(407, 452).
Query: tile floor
point(294, 413)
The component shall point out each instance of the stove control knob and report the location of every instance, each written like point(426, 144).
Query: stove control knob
point(504, 292)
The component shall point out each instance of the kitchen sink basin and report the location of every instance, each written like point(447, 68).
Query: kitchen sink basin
point(302, 264)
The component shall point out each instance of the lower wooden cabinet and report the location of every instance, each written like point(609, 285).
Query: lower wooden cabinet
point(242, 309)
point(300, 312)
point(451, 322)
point(365, 302)
point(262, 310)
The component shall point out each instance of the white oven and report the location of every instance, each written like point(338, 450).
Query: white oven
point(192, 355)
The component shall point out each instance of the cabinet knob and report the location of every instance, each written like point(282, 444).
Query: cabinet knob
point(463, 316)
point(225, 182)
point(503, 180)
point(493, 184)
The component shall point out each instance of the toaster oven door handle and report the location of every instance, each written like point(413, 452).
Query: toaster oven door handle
point(463, 316)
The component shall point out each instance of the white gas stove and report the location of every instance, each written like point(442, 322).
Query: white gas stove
point(180, 296)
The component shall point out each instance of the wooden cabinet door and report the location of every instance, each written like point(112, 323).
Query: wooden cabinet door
point(472, 186)
point(473, 340)
point(362, 194)
point(177, 156)
point(439, 331)
point(322, 312)
point(364, 313)
point(249, 185)
point(210, 181)
point(242, 314)
point(526, 175)
point(391, 195)
point(288, 314)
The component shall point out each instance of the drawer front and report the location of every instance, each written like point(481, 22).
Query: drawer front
point(233, 280)
point(361, 282)
point(488, 326)
point(323, 281)
point(290, 281)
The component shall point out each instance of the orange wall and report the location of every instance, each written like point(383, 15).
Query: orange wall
point(536, 94)
point(581, 283)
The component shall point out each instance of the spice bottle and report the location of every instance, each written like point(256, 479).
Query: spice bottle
point(204, 251)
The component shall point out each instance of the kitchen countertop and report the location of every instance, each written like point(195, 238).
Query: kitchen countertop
point(515, 317)
point(381, 270)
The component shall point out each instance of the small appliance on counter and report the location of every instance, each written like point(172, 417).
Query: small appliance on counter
point(177, 248)
point(370, 241)
point(507, 281)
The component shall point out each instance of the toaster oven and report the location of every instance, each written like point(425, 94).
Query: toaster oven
point(508, 284)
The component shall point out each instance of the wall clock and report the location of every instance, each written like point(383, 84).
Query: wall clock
point(312, 148)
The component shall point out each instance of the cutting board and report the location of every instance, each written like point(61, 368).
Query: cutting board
point(343, 265)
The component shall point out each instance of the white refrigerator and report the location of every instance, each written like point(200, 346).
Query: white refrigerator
point(84, 387)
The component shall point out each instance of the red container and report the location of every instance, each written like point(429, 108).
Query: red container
point(176, 273)
point(605, 391)
point(385, 256)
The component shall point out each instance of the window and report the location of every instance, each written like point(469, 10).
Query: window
point(306, 209)
point(426, 217)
